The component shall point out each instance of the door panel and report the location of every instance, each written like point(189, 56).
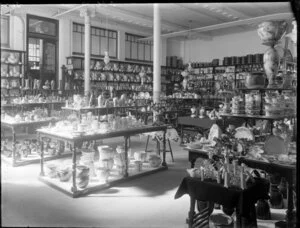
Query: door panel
point(48, 70)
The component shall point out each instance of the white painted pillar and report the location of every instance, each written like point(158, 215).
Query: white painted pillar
point(87, 50)
point(156, 54)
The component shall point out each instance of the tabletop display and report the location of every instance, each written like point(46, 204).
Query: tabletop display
point(111, 166)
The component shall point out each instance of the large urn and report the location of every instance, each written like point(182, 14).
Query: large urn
point(271, 32)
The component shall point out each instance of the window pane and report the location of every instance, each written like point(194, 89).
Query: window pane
point(95, 46)
point(141, 51)
point(112, 47)
point(4, 30)
point(76, 42)
point(40, 26)
point(147, 52)
point(134, 50)
point(104, 45)
point(127, 50)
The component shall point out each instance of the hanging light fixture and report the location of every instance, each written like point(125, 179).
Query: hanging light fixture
point(185, 74)
point(106, 56)
point(190, 68)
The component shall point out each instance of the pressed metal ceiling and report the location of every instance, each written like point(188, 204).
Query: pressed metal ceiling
point(177, 16)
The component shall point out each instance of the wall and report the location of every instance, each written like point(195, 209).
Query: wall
point(18, 32)
point(237, 44)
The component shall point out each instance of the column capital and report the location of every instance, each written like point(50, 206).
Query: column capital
point(85, 12)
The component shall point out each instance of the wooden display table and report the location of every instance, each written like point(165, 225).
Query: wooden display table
point(21, 106)
point(209, 191)
point(13, 126)
point(285, 170)
point(75, 143)
point(101, 110)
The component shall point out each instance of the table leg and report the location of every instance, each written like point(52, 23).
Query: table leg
point(126, 156)
point(42, 155)
point(73, 151)
point(181, 134)
point(290, 213)
point(14, 147)
point(164, 150)
point(191, 212)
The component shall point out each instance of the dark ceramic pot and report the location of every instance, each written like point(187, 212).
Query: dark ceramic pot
point(263, 210)
point(283, 188)
point(276, 198)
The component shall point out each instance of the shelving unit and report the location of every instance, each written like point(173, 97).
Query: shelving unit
point(122, 76)
point(12, 73)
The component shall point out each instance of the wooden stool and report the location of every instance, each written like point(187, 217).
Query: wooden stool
point(158, 147)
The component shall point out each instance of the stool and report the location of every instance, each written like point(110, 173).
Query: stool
point(158, 147)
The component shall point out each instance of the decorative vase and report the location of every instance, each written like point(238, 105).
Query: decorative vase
point(106, 58)
point(184, 74)
point(255, 80)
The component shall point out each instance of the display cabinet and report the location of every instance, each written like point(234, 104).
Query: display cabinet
point(12, 73)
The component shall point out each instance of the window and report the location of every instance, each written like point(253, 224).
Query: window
point(101, 40)
point(138, 50)
point(5, 31)
point(34, 53)
point(43, 27)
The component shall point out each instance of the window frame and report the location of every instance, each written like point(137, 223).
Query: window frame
point(102, 32)
point(132, 38)
point(7, 18)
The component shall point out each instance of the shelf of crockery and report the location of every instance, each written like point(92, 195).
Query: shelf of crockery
point(75, 142)
point(96, 183)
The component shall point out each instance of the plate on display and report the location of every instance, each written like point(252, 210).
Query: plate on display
point(274, 145)
point(243, 133)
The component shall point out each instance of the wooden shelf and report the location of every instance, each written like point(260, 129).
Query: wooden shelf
point(245, 116)
point(10, 77)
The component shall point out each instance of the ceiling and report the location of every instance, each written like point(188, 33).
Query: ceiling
point(177, 16)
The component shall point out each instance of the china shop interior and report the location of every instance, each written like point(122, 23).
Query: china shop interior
point(149, 115)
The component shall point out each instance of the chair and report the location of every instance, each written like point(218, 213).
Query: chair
point(158, 146)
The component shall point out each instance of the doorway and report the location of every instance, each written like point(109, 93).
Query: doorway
point(42, 46)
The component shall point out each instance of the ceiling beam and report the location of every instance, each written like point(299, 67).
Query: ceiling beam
point(70, 10)
point(279, 16)
point(201, 13)
point(143, 18)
